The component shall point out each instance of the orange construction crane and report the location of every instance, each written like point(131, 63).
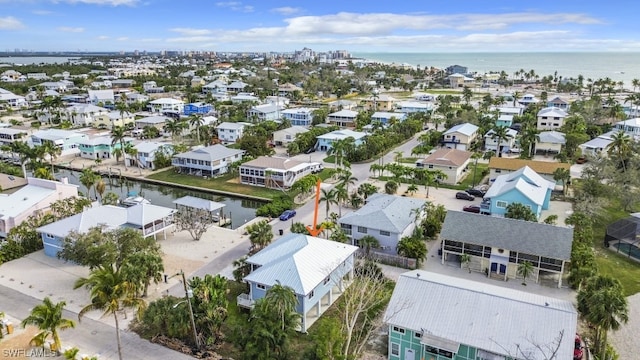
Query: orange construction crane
point(315, 230)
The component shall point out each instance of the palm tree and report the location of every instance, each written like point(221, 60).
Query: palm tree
point(397, 156)
point(197, 121)
point(88, 178)
point(48, 318)
point(342, 196)
point(525, 269)
point(368, 242)
point(43, 173)
point(346, 178)
point(118, 137)
point(23, 151)
point(500, 134)
point(260, 234)
point(174, 127)
point(51, 149)
point(282, 300)
point(132, 152)
point(329, 197)
point(564, 175)
point(620, 147)
point(110, 293)
point(100, 187)
point(412, 189)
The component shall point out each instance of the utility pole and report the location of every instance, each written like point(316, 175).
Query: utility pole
point(193, 321)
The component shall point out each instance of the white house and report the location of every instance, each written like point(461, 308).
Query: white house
point(146, 154)
point(207, 161)
point(551, 118)
point(275, 172)
point(229, 132)
point(388, 218)
point(299, 116)
point(11, 100)
point(550, 142)
point(293, 261)
point(491, 142)
point(325, 141)
point(103, 97)
point(410, 107)
point(631, 127)
point(343, 118)
point(452, 162)
point(66, 140)
point(460, 136)
point(528, 99)
point(9, 135)
point(285, 136)
point(84, 114)
point(163, 105)
point(265, 112)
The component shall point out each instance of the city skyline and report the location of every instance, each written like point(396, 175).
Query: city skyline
point(282, 26)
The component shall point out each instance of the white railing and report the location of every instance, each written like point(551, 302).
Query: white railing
point(243, 300)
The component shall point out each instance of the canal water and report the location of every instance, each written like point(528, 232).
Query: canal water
point(240, 210)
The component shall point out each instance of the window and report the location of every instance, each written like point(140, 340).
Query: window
point(261, 287)
point(430, 166)
point(362, 229)
point(311, 294)
point(326, 281)
point(398, 330)
point(501, 204)
point(498, 171)
point(385, 233)
point(395, 349)
point(49, 236)
point(417, 335)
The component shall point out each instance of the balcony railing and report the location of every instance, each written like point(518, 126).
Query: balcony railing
point(243, 300)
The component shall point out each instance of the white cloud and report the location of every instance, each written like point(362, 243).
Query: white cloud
point(103, 37)
point(191, 32)
point(42, 12)
point(10, 23)
point(235, 6)
point(70, 29)
point(191, 39)
point(287, 10)
point(101, 2)
point(122, 38)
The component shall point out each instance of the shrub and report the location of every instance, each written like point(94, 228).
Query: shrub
point(275, 208)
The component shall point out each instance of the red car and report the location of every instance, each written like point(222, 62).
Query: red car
point(577, 350)
point(472, 208)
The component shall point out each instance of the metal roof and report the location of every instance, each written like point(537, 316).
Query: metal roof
point(553, 137)
point(466, 129)
point(199, 203)
point(510, 234)
point(450, 310)
point(210, 153)
point(526, 181)
point(298, 261)
point(384, 212)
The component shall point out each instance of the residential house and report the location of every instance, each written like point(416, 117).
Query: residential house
point(456, 69)
point(215, 87)
point(528, 99)
point(84, 114)
point(12, 101)
point(292, 261)
point(275, 172)
point(410, 107)
point(8, 182)
point(631, 127)
point(341, 104)
point(498, 245)
point(343, 118)
point(9, 135)
point(146, 154)
point(384, 117)
point(388, 218)
point(197, 81)
point(37, 76)
point(66, 140)
point(491, 142)
point(299, 116)
point(241, 98)
point(150, 87)
point(229, 132)
point(460, 136)
point(236, 86)
point(459, 80)
point(597, 146)
point(424, 97)
point(199, 108)
point(133, 98)
point(325, 141)
point(550, 142)
point(101, 97)
point(100, 147)
point(113, 119)
point(274, 100)
point(285, 136)
point(379, 103)
point(523, 186)
point(59, 86)
point(559, 103)
point(10, 76)
point(436, 317)
point(288, 90)
point(207, 161)
point(551, 118)
point(452, 162)
point(500, 166)
point(157, 122)
point(34, 197)
point(166, 105)
point(123, 83)
point(506, 114)
point(264, 112)
point(149, 219)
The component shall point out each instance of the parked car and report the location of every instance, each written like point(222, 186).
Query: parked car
point(288, 214)
point(475, 192)
point(464, 196)
point(472, 208)
point(577, 350)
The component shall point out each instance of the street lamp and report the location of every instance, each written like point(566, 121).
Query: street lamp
point(188, 301)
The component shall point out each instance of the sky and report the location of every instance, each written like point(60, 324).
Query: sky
point(322, 25)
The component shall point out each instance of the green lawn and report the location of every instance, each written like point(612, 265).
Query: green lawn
point(409, 160)
point(330, 159)
point(226, 183)
point(609, 262)
point(468, 180)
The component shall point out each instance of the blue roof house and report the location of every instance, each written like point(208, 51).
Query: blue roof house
point(197, 108)
point(293, 261)
point(524, 186)
point(384, 117)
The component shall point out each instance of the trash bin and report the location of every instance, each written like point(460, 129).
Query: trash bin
point(9, 328)
point(281, 231)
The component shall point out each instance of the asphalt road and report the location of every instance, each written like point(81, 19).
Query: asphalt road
point(90, 334)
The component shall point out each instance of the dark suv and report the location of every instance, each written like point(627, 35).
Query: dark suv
point(475, 192)
point(464, 196)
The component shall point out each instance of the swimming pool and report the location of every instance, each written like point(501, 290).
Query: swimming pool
point(628, 249)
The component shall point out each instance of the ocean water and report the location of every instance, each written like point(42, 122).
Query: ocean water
point(616, 66)
point(30, 60)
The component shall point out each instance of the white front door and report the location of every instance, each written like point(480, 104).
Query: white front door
point(409, 354)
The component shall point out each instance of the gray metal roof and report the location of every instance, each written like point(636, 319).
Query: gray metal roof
point(384, 212)
point(298, 261)
point(210, 153)
point(510, 234)
point(199, 203)
point(496, 319)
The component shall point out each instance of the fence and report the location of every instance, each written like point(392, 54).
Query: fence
point(389, 259)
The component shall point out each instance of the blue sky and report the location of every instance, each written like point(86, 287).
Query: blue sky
point(353, 25)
